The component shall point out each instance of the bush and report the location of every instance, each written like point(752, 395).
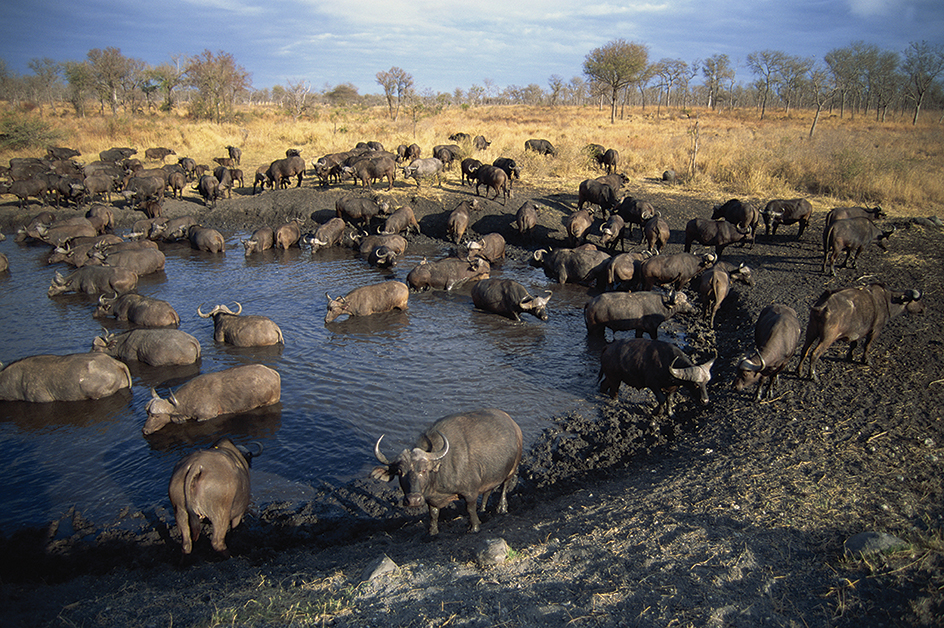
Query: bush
point(19, 132)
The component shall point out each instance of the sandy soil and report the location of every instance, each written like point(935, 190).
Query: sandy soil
point(734, 515)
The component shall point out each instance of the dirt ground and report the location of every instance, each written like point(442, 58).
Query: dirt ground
point(731, 515)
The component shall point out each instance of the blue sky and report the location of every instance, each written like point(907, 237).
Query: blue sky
point(445, 44)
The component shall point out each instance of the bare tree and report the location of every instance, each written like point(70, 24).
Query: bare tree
point(217, 79)
point(791, 78)
point(169, 76)
point(923, 64)
point(45, 81)
point(616, 65)
point(556, 85)
point(716, 70)
point(767, 65)
point(109, 69)
point(822, 88)
point(397, 84)
point(671, 73)
point(297, 98)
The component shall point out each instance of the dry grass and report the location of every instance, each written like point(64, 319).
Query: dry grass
point(849, 161)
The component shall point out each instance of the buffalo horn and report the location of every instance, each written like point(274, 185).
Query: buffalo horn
point(380, 456)
point(439, 455)
point(914, 295)
point(173, 399)
point(154, 394)
point(746, 364)
point(692, 373)
point(201, 314)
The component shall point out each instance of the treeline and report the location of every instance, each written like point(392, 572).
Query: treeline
point(859, 79)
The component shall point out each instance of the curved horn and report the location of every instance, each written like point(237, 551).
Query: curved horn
point(154, 394)
point(691, 373)
point(914, 295)
point(380, 456)
point(239, 308)
point(256, 453)
point(445, 450)
point(747, 364)
point(201, 314)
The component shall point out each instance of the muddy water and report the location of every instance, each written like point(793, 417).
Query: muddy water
point(343, 385)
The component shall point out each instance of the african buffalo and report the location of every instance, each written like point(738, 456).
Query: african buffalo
point(394, 245)
point(225, 178)
point(508, 298)
point(402, 220)
point(480, 143)
point(491, 248)
point(635, 212)
point(231, 391)
point(242, 331)
point(584, 265)
point(467, 169)
point(609, 160)
point(592, 192)
point(261, 239)
point(447, 273)
point(208, 187)
point(367, 300)
point(495, 178)
point(676, 269)
point(853, 314)
point(25, 189)
point(140, 261)
point(714, 285)
point(234, 153)
point(288, 234)
point(210, 484)
point(424, 169)
point(281, 171)
point(577, 224)
point(157, 347)
point(542, 147)
point(776, 336)
point(447, 153)
point(367, 170)
point(716, 233)
point(643, 363)
point(744, 215)
point(94, 280)
point(461, 455)
point(526, 218)
point(840, 213)
point(138, 310)
point(657, 233)
point(206, 239)
point(622, 268)
point(47, 378)
point(158, 153)
point(326, 235)
point(851, 235)
point(459, 219)
point(612, 233)
point(510, 167)
point(786, 212)
point(360, 210)
point(642, 312)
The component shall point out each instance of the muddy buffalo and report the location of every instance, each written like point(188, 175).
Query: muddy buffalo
point(140, 311)
point(786, 212)
point(461, 455)
point(94, 280)
point(447, 273)
point(156, 347)
point(367, 300)
point(642, 312)
point(584, 265)
point(651, 364)
point(231, 391)
point(75, 377)
point(242, 331)
point(776, 336)
point(508, 298)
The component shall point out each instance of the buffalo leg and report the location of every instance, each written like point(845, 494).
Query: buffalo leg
point(433, 521)
point(218, 540)
point(471, 503)
point(502, 507)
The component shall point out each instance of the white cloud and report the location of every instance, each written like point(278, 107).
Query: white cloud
point(871, 8)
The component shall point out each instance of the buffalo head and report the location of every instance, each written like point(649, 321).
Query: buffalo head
point(414, 468)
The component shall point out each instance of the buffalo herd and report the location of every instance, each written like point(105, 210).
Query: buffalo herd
point(465, 455)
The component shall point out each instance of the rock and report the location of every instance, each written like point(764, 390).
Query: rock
point(379, 567)
point(492, 552)
point(872, 543)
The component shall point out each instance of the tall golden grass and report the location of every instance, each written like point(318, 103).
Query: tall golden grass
point(848, 161)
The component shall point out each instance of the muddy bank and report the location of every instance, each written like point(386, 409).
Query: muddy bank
point(731, 515)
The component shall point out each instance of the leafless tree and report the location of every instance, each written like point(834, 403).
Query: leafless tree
point(397, 85)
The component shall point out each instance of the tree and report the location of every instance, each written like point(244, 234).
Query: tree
point(109, 69)
point(671, 73)
point(791, 78)
point(397, 84)
point(81, 84)
point(923, 63)
point(343, 94)
point(556, 85)
point(217, 80)
point(297, 98)
point(822, 89)
point(169, 76)
point(616, 65)
point(766, 64)
point(45, 81)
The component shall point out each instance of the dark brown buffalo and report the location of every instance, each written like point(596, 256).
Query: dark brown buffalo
point(358, 210)
point(367, 170)
point(851, 235)
point(48, 378)
point(461, 455)
point(206, 239)
point(635, 212)
point(657, 233)
point(841, 213)
point(281, 171)
point(235, 153)
point(510, 167)
point(853, 314)
point(370, 243)
point(225, 177)
point(744, 215)
point(480, 143)
point(716, 233)
point(623, 268)
point(468, 168)
point(491, 248)
point(157, 347)
point(115, 155)
point(4, 263)
point(447, 153)
point(612, 233)
point(459, 219)
point(643, 363)
point(402, 220)
point(158, 153)
point(786, 212)
point(642, 312)
point(61, 152)
point(288, 234)
point(714, 285)
point(492, 177)
point(776, 336)
point(508, 298)
point(262, 239)
point(542, 147)
point(94, 280)
point(577, 225)
point(584, 265)
point(593, 192)
point(526, 219)
point(615, 180)
point(675, 270)
point(447, 273)
point(609, 160)
point(210, 484)
point(140, 311)
point(367, 300)
point(327, 235)
point(242, 331)
point(208, 187)
point(140, 261)
point(231, 391)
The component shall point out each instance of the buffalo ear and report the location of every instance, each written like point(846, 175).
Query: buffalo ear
point(385, 473)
